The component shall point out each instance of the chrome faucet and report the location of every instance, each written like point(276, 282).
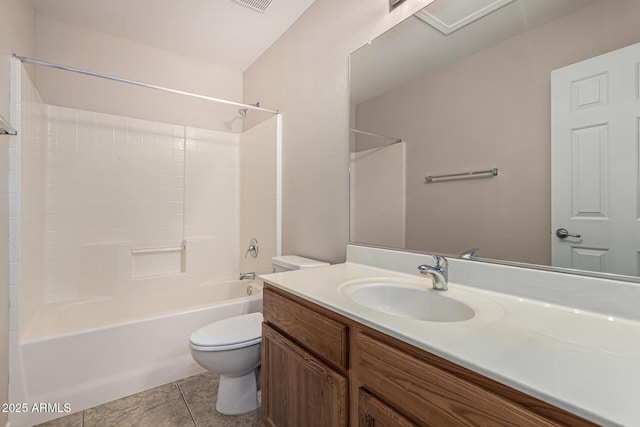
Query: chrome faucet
point(250, 276)
point(439, 273)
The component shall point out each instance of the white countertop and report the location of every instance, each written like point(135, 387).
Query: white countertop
point(584, 362)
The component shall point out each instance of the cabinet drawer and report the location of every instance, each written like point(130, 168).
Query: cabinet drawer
point(325, 337)
point(374, 413)
point(431, 395)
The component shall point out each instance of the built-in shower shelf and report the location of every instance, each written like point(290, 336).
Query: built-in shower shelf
point(158, 261)
point(158, 250)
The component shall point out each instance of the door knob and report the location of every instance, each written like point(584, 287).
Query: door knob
point(562, 233)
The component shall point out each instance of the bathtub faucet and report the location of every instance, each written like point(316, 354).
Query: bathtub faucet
point(250, 276)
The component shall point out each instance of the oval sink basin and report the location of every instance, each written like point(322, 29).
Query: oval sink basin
point(408, 298)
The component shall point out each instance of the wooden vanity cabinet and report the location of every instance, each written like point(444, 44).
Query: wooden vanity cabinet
point(298, 389)
point(322, 369)
point(304, 366)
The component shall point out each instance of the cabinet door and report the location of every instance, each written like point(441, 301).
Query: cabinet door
point(298, 389)
point(374, 413)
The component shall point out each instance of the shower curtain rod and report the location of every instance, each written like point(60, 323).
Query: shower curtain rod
point(6, 128)
point(362, 132)
point(147, 85)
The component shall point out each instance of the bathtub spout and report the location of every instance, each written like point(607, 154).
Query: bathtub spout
point(250, 276)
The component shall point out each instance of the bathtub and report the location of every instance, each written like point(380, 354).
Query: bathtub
point(88, 352)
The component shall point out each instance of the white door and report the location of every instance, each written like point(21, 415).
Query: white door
point(595, 126)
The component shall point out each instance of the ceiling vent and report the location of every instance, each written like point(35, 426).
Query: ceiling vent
point(259, 5)
point(394, 3)
point(449, 16)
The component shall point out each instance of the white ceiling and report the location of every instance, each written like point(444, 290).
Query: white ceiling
point(221, 32)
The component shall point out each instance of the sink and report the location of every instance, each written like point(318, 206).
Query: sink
point(413, 299)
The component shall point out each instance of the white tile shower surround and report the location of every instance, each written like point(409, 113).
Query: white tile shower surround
point(87, 187)
point(26, 219)
point(77, 211)
point(114, 184)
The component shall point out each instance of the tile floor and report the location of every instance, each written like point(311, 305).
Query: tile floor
point(186, 403)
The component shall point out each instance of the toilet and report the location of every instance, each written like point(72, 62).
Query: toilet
point(293, 262)
point(231, 347)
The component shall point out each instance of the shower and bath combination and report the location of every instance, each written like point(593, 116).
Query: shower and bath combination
point(108, 323)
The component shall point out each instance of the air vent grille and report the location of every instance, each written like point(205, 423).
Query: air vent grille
point(259, 5)
point(394, 3)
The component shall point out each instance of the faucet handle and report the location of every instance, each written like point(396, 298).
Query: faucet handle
point(253, 248)
point(441, 262)
point(441, 265)
point(469, 253)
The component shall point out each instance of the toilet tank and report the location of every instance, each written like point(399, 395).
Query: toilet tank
point(293, 262)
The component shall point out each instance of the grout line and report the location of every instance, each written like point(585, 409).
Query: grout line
point(184, 399)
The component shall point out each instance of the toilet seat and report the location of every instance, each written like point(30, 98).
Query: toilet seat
point(228, 334)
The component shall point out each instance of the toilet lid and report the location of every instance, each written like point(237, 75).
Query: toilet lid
point(232, 331)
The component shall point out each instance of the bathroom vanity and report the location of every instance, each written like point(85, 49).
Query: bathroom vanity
point(320, 361)
point(329, 359)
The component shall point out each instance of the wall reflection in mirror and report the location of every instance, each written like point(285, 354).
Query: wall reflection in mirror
point(546, 91)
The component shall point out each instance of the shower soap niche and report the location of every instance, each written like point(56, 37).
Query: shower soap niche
point(148, 262)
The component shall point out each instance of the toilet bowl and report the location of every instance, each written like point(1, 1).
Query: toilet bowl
point(231, 347)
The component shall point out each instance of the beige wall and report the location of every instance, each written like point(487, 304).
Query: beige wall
point(305, 74)
point(492, 110)
point(66, 44)
point(17, 35)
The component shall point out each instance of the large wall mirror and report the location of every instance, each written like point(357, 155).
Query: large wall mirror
point(541, 97)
